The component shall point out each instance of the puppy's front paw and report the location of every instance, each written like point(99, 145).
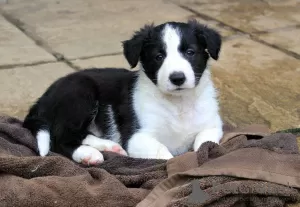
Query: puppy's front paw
point(157, 152)
point(87, 155)
point(213, 135)
point(143, 145)
point(163, 153)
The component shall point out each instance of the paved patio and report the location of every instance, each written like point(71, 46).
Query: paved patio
point(258, 74)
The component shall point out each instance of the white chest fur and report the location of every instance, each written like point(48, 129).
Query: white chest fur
point(175, 120)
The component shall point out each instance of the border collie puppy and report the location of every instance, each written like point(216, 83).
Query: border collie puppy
point(166, 108)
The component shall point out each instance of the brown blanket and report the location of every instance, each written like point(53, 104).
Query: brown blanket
point(250, 168)
point(231, 174)
point(29, 180)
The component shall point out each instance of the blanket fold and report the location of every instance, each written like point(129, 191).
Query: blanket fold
point(251, 167)
point(233, 173)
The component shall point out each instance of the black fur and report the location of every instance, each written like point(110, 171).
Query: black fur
point(208, 37)
point(69, 105)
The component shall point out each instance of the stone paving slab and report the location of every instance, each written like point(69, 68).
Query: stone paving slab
point(117, 61)
point(249, 16)
point(80, 28)
point(224, 31)
point(120, 61)
point(258, 84)
point(16, 48)
point(288, 39)
point(20, 87)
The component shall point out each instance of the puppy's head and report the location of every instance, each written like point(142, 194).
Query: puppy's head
point(173, 55)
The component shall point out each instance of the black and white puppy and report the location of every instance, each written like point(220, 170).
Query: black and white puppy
point(164, 109)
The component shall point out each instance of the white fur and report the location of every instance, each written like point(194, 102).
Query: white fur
point(174, 122)
point(174, 62)
point(43, 140)
point(87, 152)
point(113, 133)
point(212, 135)
point(143, 145)
point(102, 144)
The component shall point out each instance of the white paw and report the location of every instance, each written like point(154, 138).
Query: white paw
point(103, 144)
point(213, 135)
point(143, 145)
point(117, 149)
point(87, 155)
point(163, 153)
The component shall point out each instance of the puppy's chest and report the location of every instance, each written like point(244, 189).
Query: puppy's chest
point(183, 121)
point(174, 125)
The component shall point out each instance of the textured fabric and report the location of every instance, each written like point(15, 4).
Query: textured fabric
point(30, 180)
point(250, 168)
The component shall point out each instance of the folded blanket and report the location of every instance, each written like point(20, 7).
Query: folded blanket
point(232, 174)
point(251, 167)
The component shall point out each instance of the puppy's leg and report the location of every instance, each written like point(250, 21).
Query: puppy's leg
point(87, 155)
point(213, 134)
point(71, 127)
point(84, 154)
point(103, 144)
point(143, 145)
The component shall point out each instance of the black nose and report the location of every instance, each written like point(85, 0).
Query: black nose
point(177, 78)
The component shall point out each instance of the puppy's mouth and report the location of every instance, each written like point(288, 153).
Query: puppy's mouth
point(175, 91)
point(181, 90)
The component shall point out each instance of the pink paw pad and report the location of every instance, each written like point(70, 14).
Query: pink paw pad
point(89, 161)
point(116, 149)
point(87, 155)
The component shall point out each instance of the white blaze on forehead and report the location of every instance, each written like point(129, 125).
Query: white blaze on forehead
point(171, 38)
point(174, 61)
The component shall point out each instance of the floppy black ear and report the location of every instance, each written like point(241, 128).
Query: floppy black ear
point(211, 38)
point(132, 48)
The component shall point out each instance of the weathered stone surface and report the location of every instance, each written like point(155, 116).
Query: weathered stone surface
point(101, 62)
point(120, 61)
point(249, 16)
point(200, 2)
point(288, 39)
point(17, 48)
point(20, 87)
point(224, 31)
point(80, 28)
point(258, 84)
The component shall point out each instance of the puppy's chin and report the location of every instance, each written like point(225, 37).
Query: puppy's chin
point(175, 91)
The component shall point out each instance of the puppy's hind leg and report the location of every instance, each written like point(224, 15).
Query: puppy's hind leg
point(103, 144)
point(71, 147)
point(71, 128)
point(87, 155)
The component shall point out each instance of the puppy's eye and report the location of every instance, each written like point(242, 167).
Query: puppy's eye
point(159, 57)
point(190, 52)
